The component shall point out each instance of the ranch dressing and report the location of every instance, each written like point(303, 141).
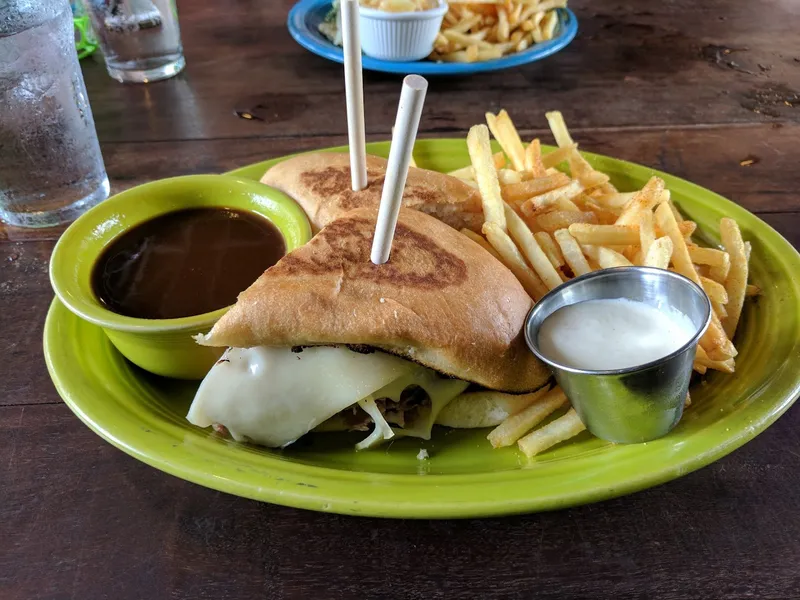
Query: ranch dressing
point(599, 335)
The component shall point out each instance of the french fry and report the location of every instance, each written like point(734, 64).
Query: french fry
point(480, 153)
point(675, 212)
point(520, 192)
point(710, 256)
point(549, 24)
point(647, 232)
point(464, 25)
point(715, 341)
point(558, 156)
point(616, 200)
point(736, 282)
point(645, 199)
point(604, 235)
point(530, 248)
point(465, 40)
point(479, 239)
point(550, 248)
point(508, 177)
point(659, 254)
point(515, 426)
point(567, 192)
point(462, 56)
point(572, 252)
point(605, 257)
point(752, 290)
point(533, 159)
point(559, 129)
point(499, 159)
point(716, 291)
point(559, 219)
point(503, 29)
point(506, 134)
point(719, 310)
point(513, 259)
point(551, 434)
point(726, 366)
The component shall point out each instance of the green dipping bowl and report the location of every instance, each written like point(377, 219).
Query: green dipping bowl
point(161, 346)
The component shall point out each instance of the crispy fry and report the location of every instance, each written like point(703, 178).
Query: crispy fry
point(534, 187)
point(559, 129)
point(615, 200)
point(559, 219)
point(508, 177)
point(716, 291)
point(506, 134)
point(533, 159)
point(551, 434)
point(567, 192)
point(714, 340)
point(513, 259)
point(736, 282)
point(499, 159)
point(647, 233)
point(659, 253)
point(572, 252)
point(515, 426)
point(752, 290)
point(550, 248)
point(479, 239)
point(556, 157)
point(719, 310)
point(604, 235)
point(481, 154)
point(646, 199)
point(530, 248)
point(605, 257)
point(709, 256)
point(701, 358)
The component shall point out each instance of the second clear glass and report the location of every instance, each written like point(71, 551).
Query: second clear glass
point(140, 39)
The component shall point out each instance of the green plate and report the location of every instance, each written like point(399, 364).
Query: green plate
point(144, 415)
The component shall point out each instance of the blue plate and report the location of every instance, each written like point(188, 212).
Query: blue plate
point(306, 15)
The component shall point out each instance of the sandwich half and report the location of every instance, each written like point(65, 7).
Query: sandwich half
point(320, 183)
point(326, 339)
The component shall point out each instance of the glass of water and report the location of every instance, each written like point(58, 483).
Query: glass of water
point(140, 39)
point(51, 169)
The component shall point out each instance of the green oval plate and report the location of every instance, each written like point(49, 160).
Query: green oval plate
point(144, 415)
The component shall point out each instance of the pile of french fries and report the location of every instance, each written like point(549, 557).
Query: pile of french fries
point(479, 30)
point(549, 225)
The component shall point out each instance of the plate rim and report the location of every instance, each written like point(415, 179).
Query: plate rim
point(310, 498)
point(300, 32)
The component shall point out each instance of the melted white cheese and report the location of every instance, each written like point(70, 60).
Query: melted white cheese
point(273, 396)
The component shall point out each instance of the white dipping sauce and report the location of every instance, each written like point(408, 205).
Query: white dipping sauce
point(599, 335)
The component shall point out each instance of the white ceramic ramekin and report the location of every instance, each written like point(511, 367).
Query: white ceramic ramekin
point(400, 36)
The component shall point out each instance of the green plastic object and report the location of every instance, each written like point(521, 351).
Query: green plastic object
point(85, 41)
point(144, 415)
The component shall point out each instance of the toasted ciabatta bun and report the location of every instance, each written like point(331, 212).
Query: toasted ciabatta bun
point(320, 184)
point(442, 301)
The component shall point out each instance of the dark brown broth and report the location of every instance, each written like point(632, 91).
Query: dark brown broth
point(185, 263)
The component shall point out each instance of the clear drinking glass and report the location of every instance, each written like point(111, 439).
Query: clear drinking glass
point(51, 169)
point(140, 39)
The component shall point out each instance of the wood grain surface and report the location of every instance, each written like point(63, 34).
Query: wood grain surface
point(691, 88)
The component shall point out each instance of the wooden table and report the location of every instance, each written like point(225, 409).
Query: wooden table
point(688, 87)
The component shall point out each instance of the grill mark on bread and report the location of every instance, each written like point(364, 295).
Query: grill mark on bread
point(334, 183)
point(345, 248)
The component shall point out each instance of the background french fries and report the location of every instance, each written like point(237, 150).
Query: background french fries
point(548, 226)
point(487, 29)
